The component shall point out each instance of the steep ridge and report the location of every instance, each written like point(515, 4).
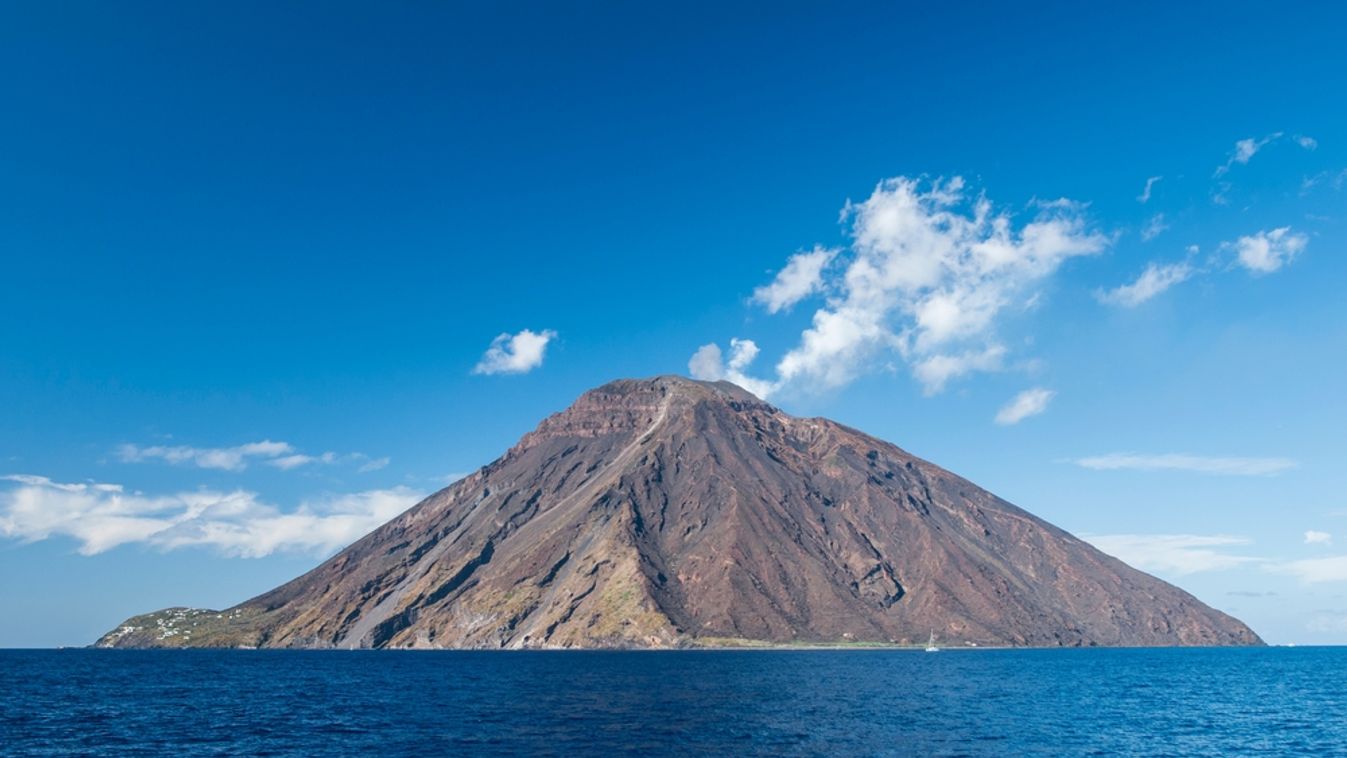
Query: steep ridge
point(670, 512)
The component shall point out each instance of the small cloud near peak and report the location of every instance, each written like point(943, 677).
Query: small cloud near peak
point(709, 364)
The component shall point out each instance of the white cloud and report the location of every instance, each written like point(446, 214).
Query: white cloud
point(708, 364)
point(1155, 279)
point(1313, 537)
point(1145, 195)
point(1031, 402)
point(1335, 178)
point(102, 516)
point(1245, 150)
point(515, 353)
point(742, 353)
point(929, 273)
point(936, 371)
point(802, 277)
point(1260, 253)
point(222, 458)
point(364, 464)
point(1267, 251)
point(42, 481)
point(1154, 227)
point(1173, 554)
point(280, 455)
point(1315, 570)
point(287, 462)
point(372, 464)
point(1183, 462)
point(1309, 143)
point(1221, 195)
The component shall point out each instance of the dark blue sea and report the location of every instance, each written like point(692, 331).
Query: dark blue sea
point(828, 702)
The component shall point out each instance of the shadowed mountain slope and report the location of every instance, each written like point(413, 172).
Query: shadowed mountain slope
point(669, 512)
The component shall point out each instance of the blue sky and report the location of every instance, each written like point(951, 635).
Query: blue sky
point(258, 261)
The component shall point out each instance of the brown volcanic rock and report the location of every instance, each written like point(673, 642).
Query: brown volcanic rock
point(667, 512)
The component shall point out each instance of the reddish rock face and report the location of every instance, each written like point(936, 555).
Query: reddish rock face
point(669, 512)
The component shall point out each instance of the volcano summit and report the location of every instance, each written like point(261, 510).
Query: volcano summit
point(670, 512)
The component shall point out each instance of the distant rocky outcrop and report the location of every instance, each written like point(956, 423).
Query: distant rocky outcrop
point(670, 512)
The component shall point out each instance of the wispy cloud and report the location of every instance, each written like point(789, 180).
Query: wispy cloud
point(1336, 179)
point(936, 371)
point(287, 462)
point(1154, 227)
point(1315, 537)
point(515, 353)
point(1156, 278)
point(1173, 554)
point(1184, 462)
point(1268, 251)
point(1028, 403)
point(928, 274)
point(363, 463)
point(372, 464)
point(1145, 196)
point(1314, 570)
point(801, 277)
point(280, 455)
point(222, 458)
point(1261, 253)
point(1220, 195)
point(1244, 151)
point(103, 516)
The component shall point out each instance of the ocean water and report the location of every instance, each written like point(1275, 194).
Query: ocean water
point(825, 702)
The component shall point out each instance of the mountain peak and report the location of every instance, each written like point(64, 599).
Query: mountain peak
point(670, 511)
point(680, 385)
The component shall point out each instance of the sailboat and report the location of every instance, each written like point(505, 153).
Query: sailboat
point(930, 644)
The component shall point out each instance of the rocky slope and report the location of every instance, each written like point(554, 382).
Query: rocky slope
point(670, 512)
